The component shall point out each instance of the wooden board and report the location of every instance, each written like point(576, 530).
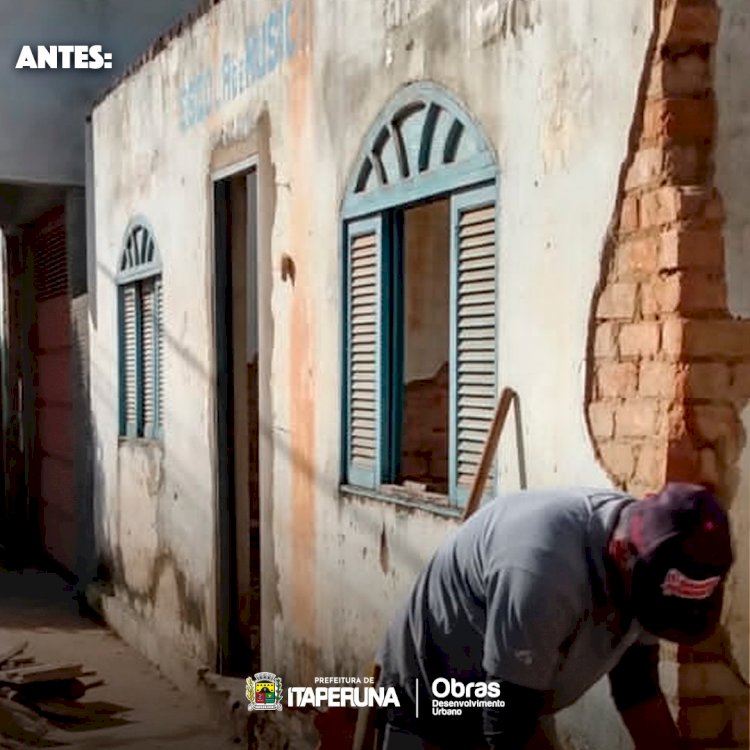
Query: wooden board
point(8, 652)
point(41, 673)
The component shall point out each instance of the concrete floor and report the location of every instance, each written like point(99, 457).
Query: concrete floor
point(136, 707)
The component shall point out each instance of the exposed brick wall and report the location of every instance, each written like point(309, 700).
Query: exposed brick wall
point(424, 447)
point(669, 369)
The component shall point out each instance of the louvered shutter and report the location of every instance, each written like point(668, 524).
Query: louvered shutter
point(364, 394)
point(129, 360)
point(473, 332)
point(50, 257)
point(159, 363)
point(148, 357)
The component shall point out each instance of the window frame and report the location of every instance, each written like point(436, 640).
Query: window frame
point(458, 182)
point(133, 273)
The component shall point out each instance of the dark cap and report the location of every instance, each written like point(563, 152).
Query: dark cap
point(683, 552)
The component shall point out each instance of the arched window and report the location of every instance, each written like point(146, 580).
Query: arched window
point(419, 226)
point(140, 333)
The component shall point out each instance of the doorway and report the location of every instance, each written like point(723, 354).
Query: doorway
point(51, 481)
point(237, 422)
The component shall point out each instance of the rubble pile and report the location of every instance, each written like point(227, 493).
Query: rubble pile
point(35, 697)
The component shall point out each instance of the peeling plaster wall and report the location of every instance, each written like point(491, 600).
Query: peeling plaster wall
point(554, 86)
point(733, 181)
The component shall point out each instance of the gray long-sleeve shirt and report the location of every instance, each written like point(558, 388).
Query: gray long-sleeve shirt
point(518, 593)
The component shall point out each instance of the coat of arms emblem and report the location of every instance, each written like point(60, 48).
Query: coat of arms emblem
point(264, 692)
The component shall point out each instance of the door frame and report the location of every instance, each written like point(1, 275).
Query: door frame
point(228, 637)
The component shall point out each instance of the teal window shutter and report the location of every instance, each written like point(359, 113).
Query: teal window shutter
point(473, 381)
point(140, 331)
point(364, 376)
point(129, 360)
point(148, 349)
point(158, 359)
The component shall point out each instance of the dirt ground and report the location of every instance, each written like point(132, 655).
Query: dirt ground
point(136, 707)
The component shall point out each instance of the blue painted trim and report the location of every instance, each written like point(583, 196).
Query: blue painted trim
point(453, 358)
point(477, 169)
point(121, 373)
point(142, 270)
point(427, 93)
point(356, 474)
point(153, 431)
point(134, 276)
point(428, 133)
point(344, 339)
point(396, 394)
point(138, 274)
point(452, 140)
point(360, 214)
point(477, 197)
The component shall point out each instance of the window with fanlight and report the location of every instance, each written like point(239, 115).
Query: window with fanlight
point(420, 264)
point(140, 334)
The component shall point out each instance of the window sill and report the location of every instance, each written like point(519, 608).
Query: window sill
point(438, 505)
point(140, 441)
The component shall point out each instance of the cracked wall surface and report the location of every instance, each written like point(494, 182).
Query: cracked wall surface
point(554, 85)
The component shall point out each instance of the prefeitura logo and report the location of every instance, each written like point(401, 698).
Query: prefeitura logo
point(264, 692)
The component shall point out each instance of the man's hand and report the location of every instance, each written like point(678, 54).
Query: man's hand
point(638, 697)
point(651, 727)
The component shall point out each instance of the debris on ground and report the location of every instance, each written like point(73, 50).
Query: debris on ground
point(34, 697)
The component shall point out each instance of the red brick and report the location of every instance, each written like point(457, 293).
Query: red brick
point(711, 649)
point(601, 418)
point(714, 421)
point(673, 337)
point(646, 168)
point(691, 293)
point(686, 164)
point(660, 206)
point(616, 379)
point(657, 379)
point(692, 248)
point(684, 25)
point(686, 75)
point(617, 301)
point(618, 458)
point(649, 298)
point(741, 381)
point(650, 467)
point(714, 209)
point(708, 380)
point(703, 721)
point(637, 418)
point(683, 461)
point(605, 342)
point(671, 203)
point(638, 258)
point(718, 424)
point(715, 338)
point(629, 214)
point(709, 468)
point(639, 339)
point(679, 119)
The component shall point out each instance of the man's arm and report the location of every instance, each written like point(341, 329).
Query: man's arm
point(638, 697)
point(511, 727)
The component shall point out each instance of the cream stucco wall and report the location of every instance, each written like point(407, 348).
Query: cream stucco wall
point(553, 84)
